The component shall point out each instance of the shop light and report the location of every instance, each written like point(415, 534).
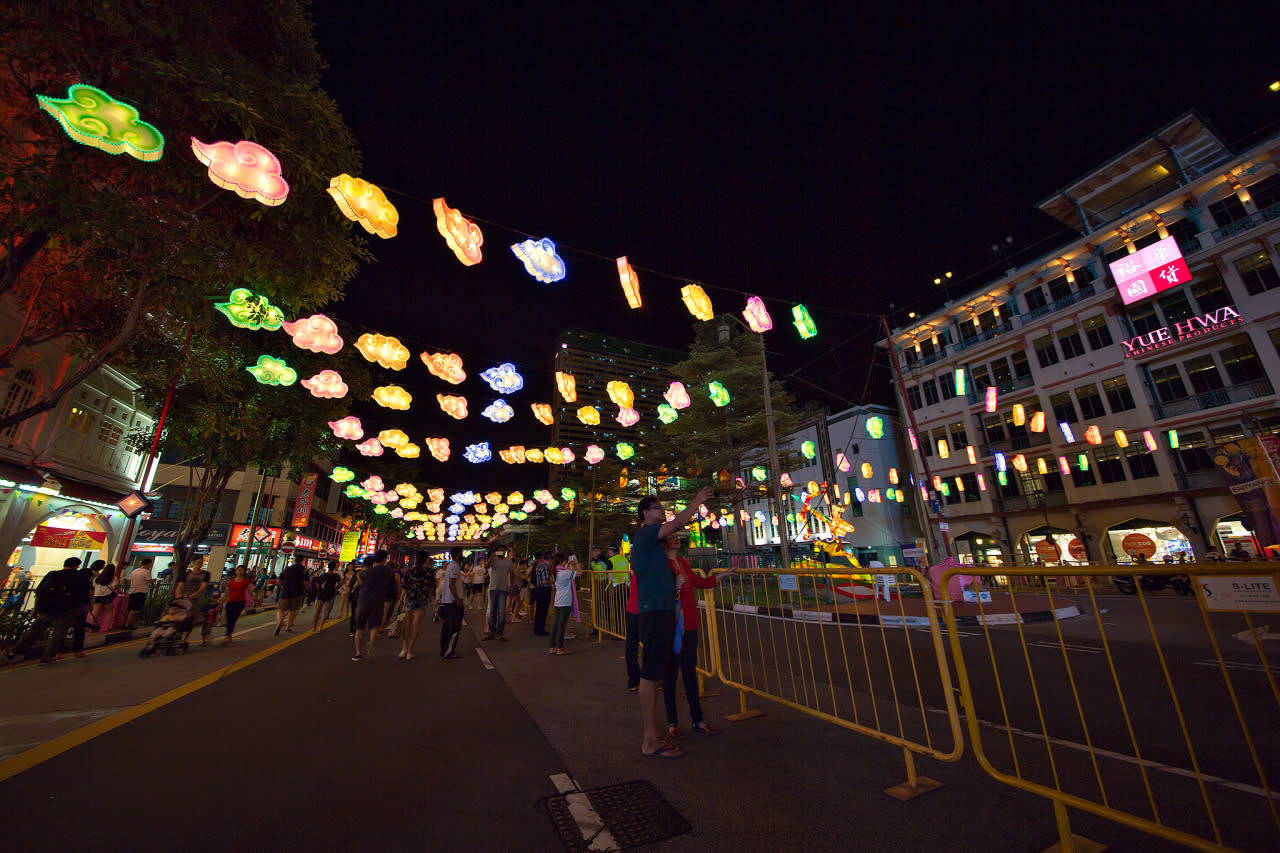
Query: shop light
point(1121, 438)
point(1150, 438)
point(1067, 434)
point(1173, 439)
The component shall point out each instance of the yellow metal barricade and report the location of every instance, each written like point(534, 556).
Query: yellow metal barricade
point(608, 604)
point(817, 642)
point(1147, 698)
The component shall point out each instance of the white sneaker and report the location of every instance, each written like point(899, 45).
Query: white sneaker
point(571, 636)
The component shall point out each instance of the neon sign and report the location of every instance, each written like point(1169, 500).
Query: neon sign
point(1192, 327)
point(1148, 271)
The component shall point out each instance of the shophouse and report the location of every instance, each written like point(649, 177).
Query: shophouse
point(1073, 408)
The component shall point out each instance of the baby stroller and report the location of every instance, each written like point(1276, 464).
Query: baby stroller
point(175, 622)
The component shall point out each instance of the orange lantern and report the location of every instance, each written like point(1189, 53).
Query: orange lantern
point(1093, 435)
point(446, 365)
point(1037, 422)
point(1020, 463)
point(452, 405)
point(630, 282)
point(697, 301)
point(461, 234)
point(568, 386)
point(542, 411)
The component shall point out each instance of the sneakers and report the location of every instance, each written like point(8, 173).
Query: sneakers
point(571, 636)
point(357, 657)
point(551, 651)
point(408, 655)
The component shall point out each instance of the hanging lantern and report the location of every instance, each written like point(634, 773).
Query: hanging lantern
point(785, 480)
point(842, 462)
point(759, 474)
point(1019, 414)
point(392, 397)
point(366, 204)
point(621, 394)
point(677, 396)
point(937, 483)
point(342, 475)
point(452, 405)
point(866, 470)
point(370, 447)
point(1173, 439)
point(812, 488)
point(624, 451)
point(960, 380)
point(859, 495)
point(719, 394)
point(1121, 438)
point(1093, 435)
point(244, 167)
point(445, 365)
point(594, 454)
point(959, 485)
point(1064, 466)
point(540, 260)
point(409, 451)
point(393, 438)
point(503, 378)
point(1001, 464)
point(247, 310)
point(893, 476)
point(943, 450)
point(439, 448)
point(803, 322)
point(991, 398)
point(808, 449)
point(1037, 422)
point(1020, 463)
point(567, 386)
point(757, 315)
point(630, 282)
point(461, 234)
point(499, 411)
point(542, 412)
point(1067, 435)
point(513, 455)
point(385, 351)
point(972, 453)
point(875, 428)
point(982, 483)
point(273, 371)
point(697, 301)
point(666, 414)
point(317, 333)
point(553, 456)
point(1041, 465)
point(327, 384)
point(627, 417)
point(477, 453)
point(589, 415)
point(1003, 477)
point(1150, 438)
point(911, 434)
point(1083, 460)
point(533, 455)
point(92, 117)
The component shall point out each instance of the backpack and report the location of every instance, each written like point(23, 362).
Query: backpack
point(54, 594)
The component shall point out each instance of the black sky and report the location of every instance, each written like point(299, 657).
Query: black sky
point(842, 158)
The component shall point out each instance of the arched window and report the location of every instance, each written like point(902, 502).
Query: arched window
point(21, 391)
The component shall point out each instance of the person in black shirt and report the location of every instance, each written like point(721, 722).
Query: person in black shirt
point(376, 582)
point(326, 588)
point(293, 585)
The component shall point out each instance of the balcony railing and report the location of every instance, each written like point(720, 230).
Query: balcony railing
point(1021, 503)
point(985, 335)
point(1214, 399)
point(1253, 220)
point(1007, 386)
point(1207, 479)
point(1084, 292)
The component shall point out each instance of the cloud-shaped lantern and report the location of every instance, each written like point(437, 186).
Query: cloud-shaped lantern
point(354, 491)
point(342, 475)
point(503, 378)
point(92, 117)
point(808, 449)
point(365, 203)
point(553, 456)
point(392, 397)
point(540, 259)
point(453, 405)
point(381, 510)
point(478, 453)
point(373, 484)
point(594, 454)
point(513, 455)
point(666, 413)
point(621, 394)
point(589, 415)
point(627, 417)
point(567, 386)
point(273, 371)
point(842, 461)
point(327, 384)
point(803, 322)
point(499, 411)
point(461, 234)
point(440, 451)
point(317, 333)
point(630, 282)
point(719, 394)
point(677, 395)
point(757, 315)
point(247, 310)
point(397, 513)
point(244, 167)
point(467, 498)
point(393, 438)
point(370, 447)
point(697, 301)
point(383, 350)
point(533, 455)
point(542, 411)
point(624, 451)
point(409, 451)
point(445, 365)
point(567, 456)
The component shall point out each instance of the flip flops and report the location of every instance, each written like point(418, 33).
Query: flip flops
point(669, 751)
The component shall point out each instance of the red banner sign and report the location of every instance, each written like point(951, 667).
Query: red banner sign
point(262, 536)
point(61, 537)
point(306, 494)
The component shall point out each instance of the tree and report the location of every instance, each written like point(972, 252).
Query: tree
point(100, 249)
point(604, 506)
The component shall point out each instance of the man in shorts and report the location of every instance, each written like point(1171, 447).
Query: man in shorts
point(656, 603)
point(293, 585)
point(375, 581)
point(326, 588)
point(139, 584)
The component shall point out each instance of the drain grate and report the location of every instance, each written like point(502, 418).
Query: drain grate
point(633, 814)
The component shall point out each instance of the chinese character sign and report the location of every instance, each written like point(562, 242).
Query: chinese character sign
point(1158, 267)
point(306, 495)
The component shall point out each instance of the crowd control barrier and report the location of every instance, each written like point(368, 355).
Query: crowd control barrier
point(1153, 709)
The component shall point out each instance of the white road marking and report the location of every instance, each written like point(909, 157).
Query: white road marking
point(1092, 650)
point(1233, 664)
point(593, 830)
point(484, 658)
point(564, 783)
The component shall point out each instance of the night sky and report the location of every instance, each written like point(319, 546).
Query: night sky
point(843, 159)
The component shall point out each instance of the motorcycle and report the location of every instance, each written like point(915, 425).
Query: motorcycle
point(1180, 584)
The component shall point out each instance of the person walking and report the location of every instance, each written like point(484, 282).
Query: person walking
point(541, 593)
point(139, 586)
point(417, 592)
point(105, 588)
point(344, 591)
point(56, 610)
point(501, 572)
point(237, 595)
point(685, 660)
point(377, 578)
point(519, 587)
point(451, 606)
point(326, 587)
point(84, 601)
point(565, 575)
point(195, 587)
point(656, 603)
point(293, 583)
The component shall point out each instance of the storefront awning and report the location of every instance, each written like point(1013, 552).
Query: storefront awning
point(20, 474)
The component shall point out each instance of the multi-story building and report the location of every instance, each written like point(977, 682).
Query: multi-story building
point(1063, 417)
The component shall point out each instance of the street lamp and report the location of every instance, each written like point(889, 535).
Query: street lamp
point(775, 471)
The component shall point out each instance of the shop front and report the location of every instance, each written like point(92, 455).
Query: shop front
point(979, 549)
point(155, 538)
point(1053, 546)
point(313, 553)
point(1148, 540)
point(1231, 533)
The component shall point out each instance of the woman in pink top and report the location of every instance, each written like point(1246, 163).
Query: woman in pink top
point(685, 662)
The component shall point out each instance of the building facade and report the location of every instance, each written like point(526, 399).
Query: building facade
point(1059, 417)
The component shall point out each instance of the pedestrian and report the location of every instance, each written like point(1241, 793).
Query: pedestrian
point(375, 580)
point(84, 601)
point(451, 606)
point(355, 592)
point(685, 660)
point(194, 586)
point(1238, 553)
point(293, 582)
point(313, 591)
point(631, 646)
point(563, 602)
point(656, 603)
point(344, 591)
point(56, 610)
point(139, 586)
point(237, 598)
point(417, 592)
point(541, 592)
point(501, 571)
point(519, 586)
point(326, 588)
point(105, 587)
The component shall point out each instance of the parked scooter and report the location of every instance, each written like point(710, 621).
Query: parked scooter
point(1180, 584)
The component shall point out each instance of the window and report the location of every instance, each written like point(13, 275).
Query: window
point(1203, 373)
point(1097, 331)
point(1010, 487)
point(930, 392)
point(913, 396)
point(1046, 352)
point(1143, 318)
point(1142, 463)
point(1110, 468)
point(1053, 480)
point(1209, 292)
point(1176, 307)
point(926, 445)
point(1021, 366)
point(1069, 341)
point(1118, 396)
point(1229, 210)
point(1193, 452)
point(1257, 273)
point(1275, 339)
point(1090, 402)
point(1082, 478)
point(993, 425)
point(1000, 370)
point(981, 378)
point(1059, 288)
point(1266, 192)
point(1064, 409)
point(1184, 232)
point(959, 436)
point(1241, 362)
point(80, 420)
point(18, 397)
point(971, 493)
point(1017, 434)
point(1035, 298)
point(909, 354)
point(110, 434)
point(1111, 257)
point(947, 383)
point(1085, 278)
point(1168, 383)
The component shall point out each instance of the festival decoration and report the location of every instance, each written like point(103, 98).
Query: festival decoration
point(439, 448)
point(589, 415)
point(866, 471)
point(92, 117)
point(383, 350)
point(624, 451)
point(553, 456)
point(630, 282)
point(1122, 439)
point(567, 386)
point(1037, 422)
point(513, 455)
point(366, 204)
point(666, 413)
point(453, 405)
point(944, 450)
point(719, 394)
point(542, 496)
point(354, 491)
point(1083, 461)
point(342, 475)
point(842, 461)
point(327, 384)
point(542, 412)
point(1067, 435)
point(1020, 463)
point(515, 498)
point(594, 454)
point(875, 426)
point(247, 310)
point(409, 451)
point(677, 395)
point(373, 484)
point(1001, 463)
point(540, 260)
point(911, 435)
point(697, 301)
point(533, 455)
point(1002, 477)
point(959, 377)
point(1019, 414)
point(1173, 440)
point(1093, 434)
point(982, 486)
point(627, 417)
point(808, 449)
point(785, 480)
point(317, 333)
point(397, 513)
point(972, 453)
point(461, 234)
point(477, 453)
point(499, 411)
point(244, 167)
point(757, 315)
point(445, 365)
point(503, 378)
point(991, 399)
point(381, 510)
point(370, 447)
point(893, 476)
point(273, 371)
point(392, 397)
point(1041, 465)
point(759, 473)
point(803, 322)
point(621, 394)
point(1064, 466)
point(1150, 438)
point(393, 438)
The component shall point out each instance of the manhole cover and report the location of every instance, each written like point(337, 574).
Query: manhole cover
point(616, 817)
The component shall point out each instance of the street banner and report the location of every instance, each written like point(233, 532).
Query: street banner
point(306, 494)
point(350, 545)
point(61, 537)
point(262, 536)
point(1249, 474)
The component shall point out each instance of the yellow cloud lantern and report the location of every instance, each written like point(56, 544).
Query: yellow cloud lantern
point(365, 203)
point(394, 439)
point(461, 234)
point(630, 282)
point(866, 471)
point(383, 350)
point(589, 415)
point(553, 455)
point(392, 397)
point(542, 411)
point(409, 451)
point(697, 301)
point(533, 454)
point(453, 405)
point(567, 386)
point(621, 394)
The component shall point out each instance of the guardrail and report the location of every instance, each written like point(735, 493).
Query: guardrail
point(1122, 720)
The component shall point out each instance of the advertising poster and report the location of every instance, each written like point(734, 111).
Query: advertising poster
point(60, 537)
point(1249, 474)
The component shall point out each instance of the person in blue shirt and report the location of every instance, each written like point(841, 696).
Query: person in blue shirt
point(656, 600)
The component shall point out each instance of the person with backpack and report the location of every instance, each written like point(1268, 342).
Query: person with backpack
point(56, 611)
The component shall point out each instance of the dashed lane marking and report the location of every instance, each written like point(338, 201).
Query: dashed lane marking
point(484, 659)
point(589, 822)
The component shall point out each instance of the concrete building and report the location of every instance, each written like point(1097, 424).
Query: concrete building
point(1110, 404)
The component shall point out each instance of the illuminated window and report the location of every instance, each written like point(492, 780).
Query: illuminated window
point(1118, 396)
point(80, 420)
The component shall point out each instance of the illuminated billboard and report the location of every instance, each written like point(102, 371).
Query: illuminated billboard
point(1148, 271)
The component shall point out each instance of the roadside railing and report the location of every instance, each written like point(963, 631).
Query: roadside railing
point(1143, 721)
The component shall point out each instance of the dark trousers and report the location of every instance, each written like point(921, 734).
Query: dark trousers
point(78, 628)
point(56, 624)
point(541, 601)
point(557, 627)
point(450, 626)
point(631, 651)
point(233, 611)
point(685, 665)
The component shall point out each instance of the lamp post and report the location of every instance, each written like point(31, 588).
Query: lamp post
point(774, 471)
